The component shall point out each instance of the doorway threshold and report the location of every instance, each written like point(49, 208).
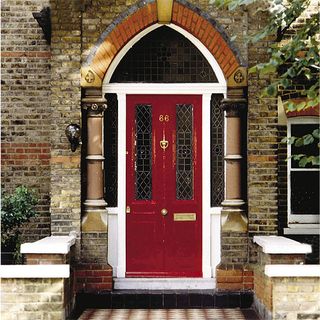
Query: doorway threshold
point(164, 283)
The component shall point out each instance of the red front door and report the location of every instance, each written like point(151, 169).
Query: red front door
point(164, 193)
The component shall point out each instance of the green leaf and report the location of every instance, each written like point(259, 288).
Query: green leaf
point(303, 161)
point(308, 139)
point(316, 133)
point(316, 161)
point(299, 142)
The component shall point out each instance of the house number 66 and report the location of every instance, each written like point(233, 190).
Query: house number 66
point(164, 117)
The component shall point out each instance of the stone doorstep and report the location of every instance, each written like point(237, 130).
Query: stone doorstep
point(163, 299)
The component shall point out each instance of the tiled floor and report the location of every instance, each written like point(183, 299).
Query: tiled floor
point(169, 314)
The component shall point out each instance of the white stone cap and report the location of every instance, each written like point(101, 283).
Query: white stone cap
point(35, 271)
point(50, 245)
point(292, 270)
point(281, 245)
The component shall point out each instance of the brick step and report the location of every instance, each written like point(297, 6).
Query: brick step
point(142, 299)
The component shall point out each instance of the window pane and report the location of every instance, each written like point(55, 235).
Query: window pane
point(111, 150)
point(143, 164)
point(184, 174)
point(305, 192)
point(299, 130)
point(217, 159)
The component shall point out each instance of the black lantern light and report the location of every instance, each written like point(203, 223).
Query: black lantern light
point(73, 134)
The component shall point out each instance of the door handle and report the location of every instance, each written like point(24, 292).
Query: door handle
point(164, 211)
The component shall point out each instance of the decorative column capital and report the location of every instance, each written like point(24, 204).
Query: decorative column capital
point(95, 106)
point(234, 106)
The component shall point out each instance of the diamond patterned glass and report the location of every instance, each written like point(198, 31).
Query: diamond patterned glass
point(164, 55)
point(184, 170)
point(111, 150)
point(217, 153)
point(143, 161)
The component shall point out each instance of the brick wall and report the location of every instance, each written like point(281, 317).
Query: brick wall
point(25, 91)
point(65, 100)
point(36, 298)
point(296, 298)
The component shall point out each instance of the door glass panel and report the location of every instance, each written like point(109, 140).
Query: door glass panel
point(143, 156)
point(111, 150)
point(184, 152)
point(217, 152)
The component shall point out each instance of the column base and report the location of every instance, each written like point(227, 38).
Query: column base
point(233, 220)
point(94, 221)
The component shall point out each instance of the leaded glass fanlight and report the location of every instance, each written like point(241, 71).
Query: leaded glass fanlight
point(164, 55)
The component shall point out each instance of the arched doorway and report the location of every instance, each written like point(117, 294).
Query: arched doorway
point(172, 73)
point(207, 96)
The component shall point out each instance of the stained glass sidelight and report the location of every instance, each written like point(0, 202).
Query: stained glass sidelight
point(111, 150)
point(164, 55)
point(184, 143)
point(143, 161)
point(217, 153)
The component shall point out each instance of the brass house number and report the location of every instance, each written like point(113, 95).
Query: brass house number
point(164, 117)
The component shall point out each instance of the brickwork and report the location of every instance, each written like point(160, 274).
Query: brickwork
point(35, 298)
point(98, 241)
point(234, 278)
point(35, 258)
point(234, 248)
point(296, 298)
point(65, 102)
point(25, 108)
point(91, 277)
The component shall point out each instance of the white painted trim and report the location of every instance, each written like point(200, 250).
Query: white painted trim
point(302, 230)
point(121, 268)
point(293, 219)
point(206, 188)
point(207, 54)
point(292, 270)
point(165, 88)
point(35, 271)
point(163, 283)
point(281, 245)
point(50, 245)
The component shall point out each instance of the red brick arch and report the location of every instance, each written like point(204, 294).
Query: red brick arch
point(146, 16)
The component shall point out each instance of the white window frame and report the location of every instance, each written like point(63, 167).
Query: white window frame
point(299, 222)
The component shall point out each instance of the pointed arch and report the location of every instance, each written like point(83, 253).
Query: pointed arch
point(144, 15)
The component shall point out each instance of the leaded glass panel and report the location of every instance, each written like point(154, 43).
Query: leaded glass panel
point(143, 161)
point(111, 150)
point(164, 55)
point(217, 153)
point(184, 143)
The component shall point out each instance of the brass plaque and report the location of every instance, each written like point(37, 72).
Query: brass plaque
point(184, 217)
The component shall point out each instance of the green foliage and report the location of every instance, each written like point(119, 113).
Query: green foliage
point(294, 59)
point(305, 140)
point(16, 209)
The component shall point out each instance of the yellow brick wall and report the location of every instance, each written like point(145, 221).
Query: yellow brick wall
point(296, 298)
point(31, 299)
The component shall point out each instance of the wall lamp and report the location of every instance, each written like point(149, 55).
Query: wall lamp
point(73, 133)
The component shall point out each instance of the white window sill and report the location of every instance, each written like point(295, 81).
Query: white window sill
point(302, 230)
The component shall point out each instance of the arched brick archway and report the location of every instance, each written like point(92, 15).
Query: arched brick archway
point(113, 40)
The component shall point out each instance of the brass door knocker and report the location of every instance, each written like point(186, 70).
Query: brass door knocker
point(164, 143)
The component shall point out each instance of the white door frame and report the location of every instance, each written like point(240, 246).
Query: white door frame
point(210, 216)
